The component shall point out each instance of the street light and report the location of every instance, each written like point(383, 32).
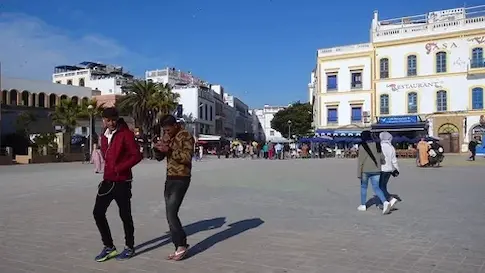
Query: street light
point(289, 129)
point(90, 110)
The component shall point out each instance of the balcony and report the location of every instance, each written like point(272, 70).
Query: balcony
point(476, 67)
point(341, 50)
point(433, 23)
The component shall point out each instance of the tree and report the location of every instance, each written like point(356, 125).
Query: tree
point(66, 114)
point(23, 122)
point(300, 115)
point(146, 102)
point(96, 110)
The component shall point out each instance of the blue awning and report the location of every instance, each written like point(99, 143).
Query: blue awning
point(399, 127)
point(337, 132)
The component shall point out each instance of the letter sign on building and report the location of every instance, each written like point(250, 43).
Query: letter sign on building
point(397, 87)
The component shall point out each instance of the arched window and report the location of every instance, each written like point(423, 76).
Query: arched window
point(81, 82)
point(412, 65)
point(13, 97)
point(69, 82)
point(75, 100)
point(4, 97)
point(412, 103)
point(41, 100)
point(25, 98)
point(52, 100)
point(477, 98)
point(63, 97)
point(384, 68)
point(384, 104)
point(477, 58)
point(441, 62)
point(441, 101)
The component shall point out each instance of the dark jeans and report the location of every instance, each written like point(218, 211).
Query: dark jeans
point(174, 195)
point(121, 193)
point(474, 153)
point(385, 176)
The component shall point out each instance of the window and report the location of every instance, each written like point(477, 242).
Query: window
point(384, 104)
point(81, 82)
point(210, 112)
point(477, 98)
point(356, 115)
point(356, 79)
point(477, 58)
point(331, 82)
point(201, 112)
point(271, 133)
point(441, 101)
point(332, 115)
point(205, 110)
point(384, 68)
point(412, 65)
point(69, 82)
point(412, 103)
point(441, 62)
point(58, 82)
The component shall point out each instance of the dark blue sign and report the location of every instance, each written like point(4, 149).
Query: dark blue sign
point(323, 132)
point(398, 120)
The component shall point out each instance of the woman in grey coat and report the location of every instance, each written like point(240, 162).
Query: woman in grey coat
point(369, 169)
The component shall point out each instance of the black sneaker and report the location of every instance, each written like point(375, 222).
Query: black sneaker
point(126, 254)
point(106, 254)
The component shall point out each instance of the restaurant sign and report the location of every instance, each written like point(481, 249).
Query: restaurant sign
point(419, 85)
point(398, 120)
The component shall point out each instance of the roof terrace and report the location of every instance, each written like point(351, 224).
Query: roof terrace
point(340, 50)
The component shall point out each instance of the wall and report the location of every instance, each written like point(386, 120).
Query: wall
point(46, 87)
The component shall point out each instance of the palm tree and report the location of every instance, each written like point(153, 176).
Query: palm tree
point(23, 122)
point(66, 114)
point(147, 101)
point(91, 107)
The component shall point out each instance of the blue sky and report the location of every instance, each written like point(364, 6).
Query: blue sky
point(260, 50)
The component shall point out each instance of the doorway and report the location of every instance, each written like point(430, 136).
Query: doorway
point(450, 138)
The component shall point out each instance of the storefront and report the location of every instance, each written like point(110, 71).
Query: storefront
point(410, 127)
point(449, 128)
point(478, 133)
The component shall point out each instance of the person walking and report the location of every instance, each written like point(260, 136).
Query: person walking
point(423, 156)
point(472, 147)
point(369, 169)
point(177, 145)
point(390, 167)
point(97, 159)
point(121, 153)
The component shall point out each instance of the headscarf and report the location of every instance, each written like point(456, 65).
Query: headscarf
point(385, 137)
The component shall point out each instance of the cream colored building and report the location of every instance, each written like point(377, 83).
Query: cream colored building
point(431, 66)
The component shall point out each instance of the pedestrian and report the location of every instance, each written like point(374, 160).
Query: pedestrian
point(97, 159)
point(423, 156)
point(369, 168)
point(177, 146)
point(390, 167)
point(121, 154)
point(472, 147)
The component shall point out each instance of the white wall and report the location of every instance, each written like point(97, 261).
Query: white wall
point(46, 87)
point(264, 117)
point(194, 98)
point(343, 102)
point(343, 68)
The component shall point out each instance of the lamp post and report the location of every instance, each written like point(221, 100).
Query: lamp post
point(289, 129)
point(90, 110)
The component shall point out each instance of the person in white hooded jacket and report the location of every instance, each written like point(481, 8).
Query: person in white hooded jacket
point(390, 168)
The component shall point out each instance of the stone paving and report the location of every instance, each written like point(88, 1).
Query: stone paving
point(250, 216)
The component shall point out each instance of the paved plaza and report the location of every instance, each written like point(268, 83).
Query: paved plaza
point(253, 216)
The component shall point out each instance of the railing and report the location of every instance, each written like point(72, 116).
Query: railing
point(410, 29)
point(344, 49)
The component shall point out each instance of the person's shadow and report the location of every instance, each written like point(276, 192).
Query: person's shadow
point(233, 230)
point(189, 230)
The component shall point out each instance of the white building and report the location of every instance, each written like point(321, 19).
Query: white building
point(174, 77)
point(200, 104)
point(108, 79)
point(265, 116)
point(428, 66)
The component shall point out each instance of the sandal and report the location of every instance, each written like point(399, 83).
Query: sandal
point(178, 255)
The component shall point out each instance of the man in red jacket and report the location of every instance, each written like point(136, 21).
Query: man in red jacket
point(121, 153)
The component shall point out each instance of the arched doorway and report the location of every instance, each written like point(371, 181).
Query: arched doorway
point(75, 100)
point(450, 135)
point(52, 101)
point(4, 97)
point(25, 96)
point(478, 132)
point(13, 97)
point(41, 99)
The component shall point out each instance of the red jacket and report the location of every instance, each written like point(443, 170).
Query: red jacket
point(121, 154)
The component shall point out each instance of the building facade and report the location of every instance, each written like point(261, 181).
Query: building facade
point(429, 65)
point(37, 97)
point(265, 116)
point(108, 79)
point(174, 77)
point(243, 126)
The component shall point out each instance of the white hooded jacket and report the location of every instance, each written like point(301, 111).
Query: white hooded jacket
point(389, 153)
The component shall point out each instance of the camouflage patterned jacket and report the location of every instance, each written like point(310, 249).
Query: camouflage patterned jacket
point(179, 158)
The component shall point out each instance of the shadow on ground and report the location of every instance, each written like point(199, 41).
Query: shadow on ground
point(233, 230)
point(190, 229)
